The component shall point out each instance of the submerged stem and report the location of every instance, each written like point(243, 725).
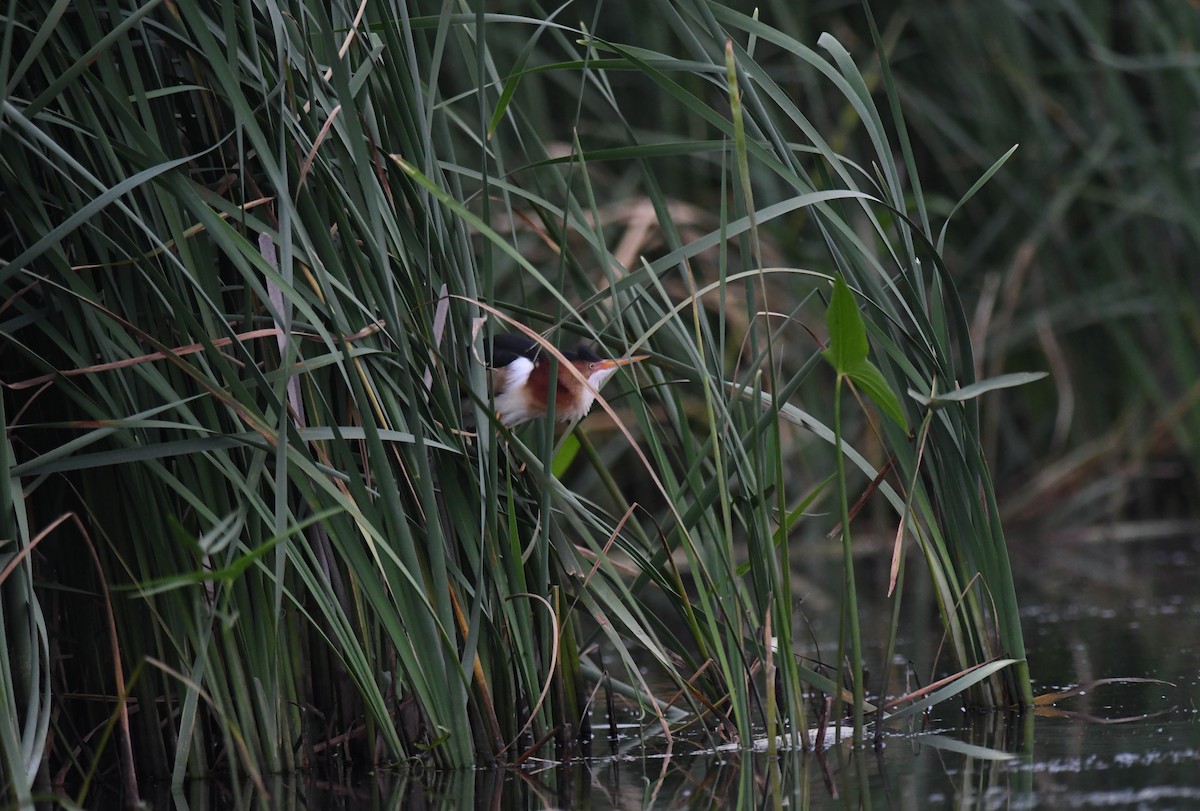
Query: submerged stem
point(850, 597)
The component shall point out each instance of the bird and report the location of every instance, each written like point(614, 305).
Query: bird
point(520, 371)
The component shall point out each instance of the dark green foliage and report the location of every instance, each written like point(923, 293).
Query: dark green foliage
point(254, 254)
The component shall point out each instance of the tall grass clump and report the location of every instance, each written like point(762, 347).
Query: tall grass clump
point(255, 257)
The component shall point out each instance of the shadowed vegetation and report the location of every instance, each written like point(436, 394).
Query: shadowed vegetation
point(255, 253)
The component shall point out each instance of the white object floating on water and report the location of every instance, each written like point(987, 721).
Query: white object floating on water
point(790, 741)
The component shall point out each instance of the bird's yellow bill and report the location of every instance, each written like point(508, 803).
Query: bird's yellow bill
point(616, 362)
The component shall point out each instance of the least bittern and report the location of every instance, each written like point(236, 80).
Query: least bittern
point(521, 379)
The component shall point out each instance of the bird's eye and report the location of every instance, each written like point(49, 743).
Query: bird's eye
point(591, 366)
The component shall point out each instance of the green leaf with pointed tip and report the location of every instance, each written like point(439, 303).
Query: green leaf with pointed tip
point(847, 333)
point(847, 352)
point(975, 389)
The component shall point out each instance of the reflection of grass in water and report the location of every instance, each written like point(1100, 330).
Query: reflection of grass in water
point(282, 438)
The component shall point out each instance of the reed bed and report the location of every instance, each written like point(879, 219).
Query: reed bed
point(260, 514)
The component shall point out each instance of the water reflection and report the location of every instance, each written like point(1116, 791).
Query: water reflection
point(981, 762)
point(1144, 623)
point(910, 772)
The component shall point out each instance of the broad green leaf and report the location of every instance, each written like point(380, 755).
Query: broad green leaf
point(847, 352)
point(567, 451)
point(847, 333)
point(867, 377)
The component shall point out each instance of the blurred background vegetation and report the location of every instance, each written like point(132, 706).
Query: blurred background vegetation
point(1077, 259)
point(247, 252)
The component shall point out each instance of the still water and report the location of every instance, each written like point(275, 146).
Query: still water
point(1094, 610)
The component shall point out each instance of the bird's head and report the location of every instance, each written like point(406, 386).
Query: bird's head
point(595, 369)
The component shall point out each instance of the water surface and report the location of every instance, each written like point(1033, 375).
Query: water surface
point(1092, 611)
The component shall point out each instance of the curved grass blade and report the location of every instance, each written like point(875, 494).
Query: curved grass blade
point(1006, 381)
